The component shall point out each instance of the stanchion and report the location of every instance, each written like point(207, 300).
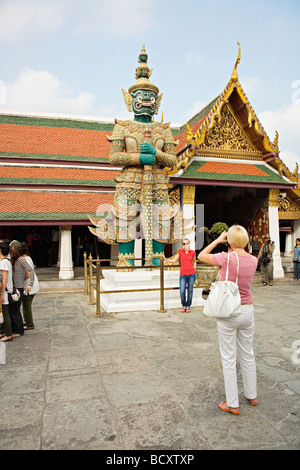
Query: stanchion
point(98, 278)
point(161, 271)
point(91, 279)
point(86, 286)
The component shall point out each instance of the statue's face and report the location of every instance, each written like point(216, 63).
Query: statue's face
point(144, 102)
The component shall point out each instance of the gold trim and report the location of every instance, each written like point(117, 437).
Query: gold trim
point(273, 198)
point(234, 76)
point(189, 195)
point(238, 155)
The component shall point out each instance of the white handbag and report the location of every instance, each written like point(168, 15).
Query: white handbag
point(224, 300)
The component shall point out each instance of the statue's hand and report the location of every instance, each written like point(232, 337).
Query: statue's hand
point(148, 148)
point(147, 159)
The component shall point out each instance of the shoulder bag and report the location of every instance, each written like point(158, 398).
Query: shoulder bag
point(14, 296)
point(224, 300)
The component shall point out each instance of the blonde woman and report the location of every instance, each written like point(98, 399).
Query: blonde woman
point(236, 333)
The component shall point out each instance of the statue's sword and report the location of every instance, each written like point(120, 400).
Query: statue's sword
point(147, 206)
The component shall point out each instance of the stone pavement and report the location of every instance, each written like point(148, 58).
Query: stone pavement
point(147, 380)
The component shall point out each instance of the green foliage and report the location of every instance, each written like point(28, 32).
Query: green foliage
point(217, 229)
point(213, 233)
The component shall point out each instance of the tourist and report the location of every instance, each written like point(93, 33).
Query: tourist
point(296, 259)
point(20, 266)
point(187, 277)
point(236, 332)
point(265, 257)
point(5, 287)
point(28, 297)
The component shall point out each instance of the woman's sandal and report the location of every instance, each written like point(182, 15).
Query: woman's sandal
point(223, 406)
point(4, 339)
point(252, 401)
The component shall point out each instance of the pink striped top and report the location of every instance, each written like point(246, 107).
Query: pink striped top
point(247, 269)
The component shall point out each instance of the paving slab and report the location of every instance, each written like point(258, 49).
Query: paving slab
point(147, 380)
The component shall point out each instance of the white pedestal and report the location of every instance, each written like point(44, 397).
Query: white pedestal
point(146, 299)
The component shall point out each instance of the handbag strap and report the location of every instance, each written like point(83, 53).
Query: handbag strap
point(237, 269)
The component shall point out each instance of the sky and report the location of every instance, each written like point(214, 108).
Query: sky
point(73, 57)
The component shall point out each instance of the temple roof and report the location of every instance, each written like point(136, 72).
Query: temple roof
point(231, 173)
point(53, 170)
point(54, 175)
point(226, 131)
point(24, 207)
point(42, 138)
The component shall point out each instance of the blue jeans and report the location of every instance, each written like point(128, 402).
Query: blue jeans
point(186, 284)
point(297, 270)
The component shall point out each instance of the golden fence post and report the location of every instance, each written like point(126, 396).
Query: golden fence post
point(91, 279)
point(86, 287)
point(161, 270)
point(98, 286)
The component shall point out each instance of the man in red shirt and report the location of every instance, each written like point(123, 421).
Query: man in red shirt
point(187, 278)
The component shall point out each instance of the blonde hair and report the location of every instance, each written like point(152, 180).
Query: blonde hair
point(237, 236)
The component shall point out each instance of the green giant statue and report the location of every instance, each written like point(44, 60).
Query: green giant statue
point(143, 148)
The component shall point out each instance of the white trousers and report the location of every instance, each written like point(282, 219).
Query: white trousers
point(236, 336)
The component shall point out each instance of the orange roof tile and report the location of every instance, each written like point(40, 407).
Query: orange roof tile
point(231, 169)
point(53, 140)
point(56, 173)
point(55, 202)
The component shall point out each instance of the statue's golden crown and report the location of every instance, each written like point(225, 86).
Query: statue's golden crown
point(142, 75)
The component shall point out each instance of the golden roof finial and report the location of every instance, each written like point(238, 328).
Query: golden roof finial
point(234, 76)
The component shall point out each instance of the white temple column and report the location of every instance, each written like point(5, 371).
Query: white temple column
point(188, 214)
point(274, 232)
point(66, 264)
point(288, 244)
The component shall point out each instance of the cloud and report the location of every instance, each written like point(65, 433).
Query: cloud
point(116, 18)
point(195, 60)
point(40, 91)
point(23, 17)
point(191, 112)
point(286, 121)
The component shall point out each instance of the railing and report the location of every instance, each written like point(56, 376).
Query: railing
point(90, 264)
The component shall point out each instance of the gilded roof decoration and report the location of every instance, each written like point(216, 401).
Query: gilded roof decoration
point(200, 137)
point(288, 210)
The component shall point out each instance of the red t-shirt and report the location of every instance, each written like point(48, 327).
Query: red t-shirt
point(186, 261)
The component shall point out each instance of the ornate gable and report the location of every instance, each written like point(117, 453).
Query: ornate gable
point(229, 129)
point(226, 135)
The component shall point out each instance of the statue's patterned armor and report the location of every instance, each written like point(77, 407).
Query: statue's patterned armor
point(126, 140)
